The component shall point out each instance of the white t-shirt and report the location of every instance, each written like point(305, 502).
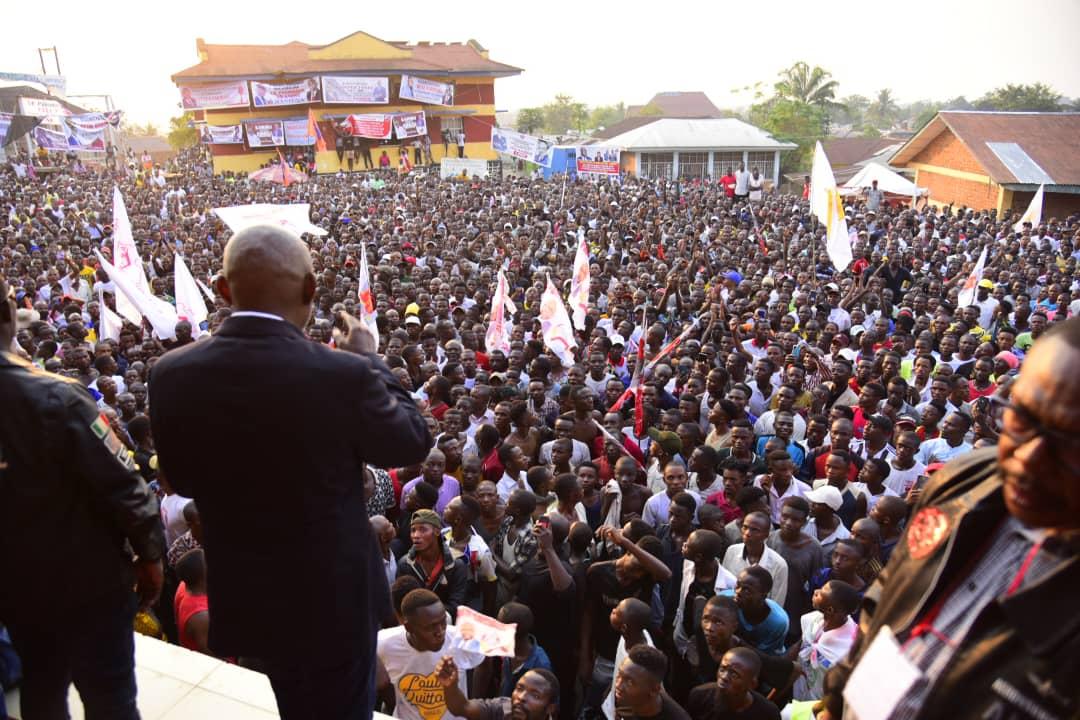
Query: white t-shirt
point(172, 517)
point(742, 182)
point(412, 672)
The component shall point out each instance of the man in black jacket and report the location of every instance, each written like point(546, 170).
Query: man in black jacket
point(980, 593)
point(269, 432)
point(72, 510)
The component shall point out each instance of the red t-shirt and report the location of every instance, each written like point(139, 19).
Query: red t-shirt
point(185, 605)
point(728, 181)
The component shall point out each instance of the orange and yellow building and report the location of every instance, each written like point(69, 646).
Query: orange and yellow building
point(464, 65)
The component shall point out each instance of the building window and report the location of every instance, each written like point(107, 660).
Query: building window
point(452, 124)
point(725, 162)
point(657, 165)
point(763, 161)
point(693, 165)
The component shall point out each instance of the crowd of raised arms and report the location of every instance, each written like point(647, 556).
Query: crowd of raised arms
point(712, 537)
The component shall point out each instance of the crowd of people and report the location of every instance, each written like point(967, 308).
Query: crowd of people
point(698, 549)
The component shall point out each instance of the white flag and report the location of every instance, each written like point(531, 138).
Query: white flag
point(825, 203)
point(162, 315)
point(498, 332)
point(296, 218)
point(555, 324)
point(367, 300)
point(967, 292)
point(189, 302)
point(1033, 214)
point(109, 323)
point(579, 285)
point(126, 259)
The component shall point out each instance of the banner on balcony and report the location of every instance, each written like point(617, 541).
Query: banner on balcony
point(426, 91)
point(214, 95)
point(266, 133)
point(300, 92)
point(410, 125)
point(348, 90)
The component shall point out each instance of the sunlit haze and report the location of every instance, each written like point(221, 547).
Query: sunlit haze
point(600, 53)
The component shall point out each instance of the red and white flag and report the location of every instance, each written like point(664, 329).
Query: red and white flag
point(366, 302)
point(579, 285)
point(126, 260)
point(498, 332)
point(555, 324)
point(190, 305)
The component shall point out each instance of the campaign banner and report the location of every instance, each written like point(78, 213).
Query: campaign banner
point(222, 134)
point(54, 82)
point(349, 90)
point(41, 107)
point(521, 146)
point(462, 168)
point(300, 92)
point(92, 141)
point(50, 139)
point(87, 122)
point(598, 159)
point(426, 91)
point(296, 132)
point(233, 93)
point(5, 125)
point(410, 125)
point(496, 639)
point(370, 125)
point(265, 133)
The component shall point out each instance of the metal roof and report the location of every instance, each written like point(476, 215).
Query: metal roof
point(696, 134)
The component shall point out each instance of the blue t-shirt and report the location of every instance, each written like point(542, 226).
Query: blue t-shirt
point(768, 635)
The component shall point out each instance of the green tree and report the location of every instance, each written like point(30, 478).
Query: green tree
point(558, 114)
point(850, 110)
point(811, 86)
point(579, 116)
point(882, 112)
point(1038, 97)
point(604, 116)
point(792, 120)
point(529, 120)
point(182, 133)
point(651, 110)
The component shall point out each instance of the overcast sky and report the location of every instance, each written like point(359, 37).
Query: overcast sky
point(599, 52)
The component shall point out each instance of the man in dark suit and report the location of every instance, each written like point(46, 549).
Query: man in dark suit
point(269, 433)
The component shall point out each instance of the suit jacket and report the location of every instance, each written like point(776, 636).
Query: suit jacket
point(268, 432)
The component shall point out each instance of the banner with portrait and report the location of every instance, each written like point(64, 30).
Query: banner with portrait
point(598, 160)
point(264, 133)
point(371, 125)
point(300, 92)
point(221, 134)
point(349, 90)
point(521, 146)
point(50, 139)
point(91, 141)
point(296, 132)
point(422, 90)
point(410, 125)
point(233, 93)
point(5, 125)
point(88, 122)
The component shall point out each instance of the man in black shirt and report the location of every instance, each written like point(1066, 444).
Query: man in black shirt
point(639, 690)
point(606, 585)
point(732, 695)
point(535, 696)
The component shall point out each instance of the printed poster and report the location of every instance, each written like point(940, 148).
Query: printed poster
point(265, 133)
point(50, 139)
point(371, 125)
point(598, 159)
point(5, 125)
point(300, 92)
point(496, 639)
point(222, 134)
point(349, 90)
point(233, 93)
point(41, 107)
point(410, 125)
point(296, 132)
point(431, 92)
point(521, 146)
point(89, 122)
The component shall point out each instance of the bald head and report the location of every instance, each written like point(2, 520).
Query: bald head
point(268, 269)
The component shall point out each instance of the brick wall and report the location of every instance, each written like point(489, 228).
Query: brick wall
point(958, 191)
point(946, 151)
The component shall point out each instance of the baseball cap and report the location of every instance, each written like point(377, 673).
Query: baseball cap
point(984, 283)
point(832, 287)
point(733, 276)
point(826, 495)
point(668, 440)
point(906, 420)
point(412, 309)
point(857, 330)
point(412, 320)
point(426, 517)
point(617, 339)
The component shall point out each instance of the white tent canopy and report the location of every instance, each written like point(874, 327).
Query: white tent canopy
point(888, 181)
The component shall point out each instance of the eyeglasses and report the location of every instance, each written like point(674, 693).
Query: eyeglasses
point(1022, 426)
